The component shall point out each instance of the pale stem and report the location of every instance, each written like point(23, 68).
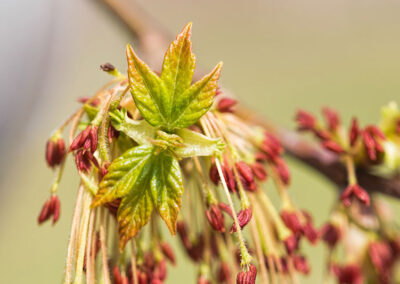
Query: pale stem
point(72, 237)
point(133, 262)
point(351, 170)
point(90, 275)
point(260, 256)
point(106, 276)
point(82, 237)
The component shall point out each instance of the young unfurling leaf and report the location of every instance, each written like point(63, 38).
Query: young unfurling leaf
point(170, 102)
point(167, 188)
point(122, 174)
point(147, 90)
point(196, 144)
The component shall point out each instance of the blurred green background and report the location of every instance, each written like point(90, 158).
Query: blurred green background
point(278, 56)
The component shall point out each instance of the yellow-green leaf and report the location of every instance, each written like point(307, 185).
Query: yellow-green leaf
point(122, 174)
point(196, 144)
point(167, 189)
point(178, 66)
point(147, 90)
point(195, 101)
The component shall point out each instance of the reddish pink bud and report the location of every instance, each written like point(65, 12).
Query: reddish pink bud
point(55, 152)
point(354, 132)
point(283, 170)
point(292, 221)
point(107, 67)
point(160, 271)
point(215, 218)
point(225, 207)
point(348, 274)
point(332, 146)
point(84, 160)
point(228, 176)
point(322, 134)
point(224, 273)
point(271, 147)
point(259, 171)
point(182, 230)
point(372, 138)
point(330, 234)
point(196, 250)
point(244, 217)
point(261, 157)
point(300, 263)
point(310, 233)
point(382, 258)
point(50, 208)
point(356, 191)
point(247, 277)
point(168, 252)
point(226, 105)
point(112, 133)
point(218, 92)
point(246, 176)
point(291, 244)
point(305, 120)
point(86, 139)
point(332, 118)
point(117, 278)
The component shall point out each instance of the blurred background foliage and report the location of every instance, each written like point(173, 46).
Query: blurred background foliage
point(278, 56)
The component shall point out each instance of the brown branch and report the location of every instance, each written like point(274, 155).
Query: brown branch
point(153, 40)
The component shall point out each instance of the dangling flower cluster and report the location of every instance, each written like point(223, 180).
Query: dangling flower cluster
point(365, 230)
point(364, 146)
point(135, 153)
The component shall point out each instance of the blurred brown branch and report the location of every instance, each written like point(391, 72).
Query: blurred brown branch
point(153, 39)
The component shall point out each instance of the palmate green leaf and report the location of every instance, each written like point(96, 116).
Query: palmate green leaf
point(143, 181)
point(167, 188)
point(122, 174)
point(147, 90)
point(197, 144)
point(195, 101)
point(170, 102)
point(178, 66)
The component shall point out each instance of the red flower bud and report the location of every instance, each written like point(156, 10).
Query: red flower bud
point(107, 67)
point(356, 191)
point(50, 208)
point(398, 126)
point(300, 264)
point(310, 233)
point(224, 273)
point(201, 279)
point(332, 118)
point(86, 139)
point(259, 171)
point(160, 271)
point(168, 252)
point(332, 146)
point(84, 160)
point(246, 176)
point(348, 274)
point(305, 120)
point(382, 258)
point(244, 217)
point(228, 176)
point(215, 218)
point(372, 138)
point(330, 234)
point(247, 277)
point(226, 105)
point(55, 152)
point(292, 221)
point(271, 147)
point(354, 132)
point(283, 170)
point(291, 244)
point(117, 278)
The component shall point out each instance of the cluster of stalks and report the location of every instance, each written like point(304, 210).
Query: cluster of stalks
point(228, 226)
